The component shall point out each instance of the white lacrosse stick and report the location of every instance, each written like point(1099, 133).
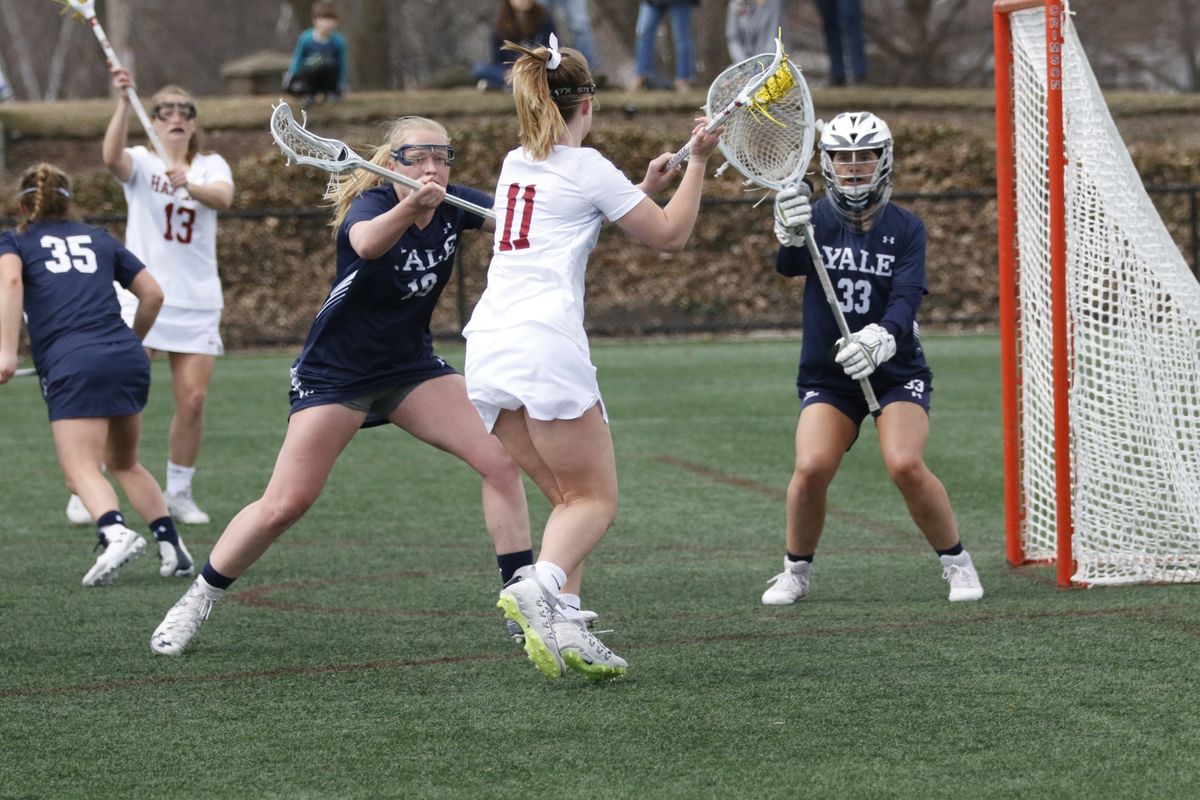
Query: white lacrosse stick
point(772, 146)
point(755, 91)
point(302, 146)
point(25, 372)
point(87, 10)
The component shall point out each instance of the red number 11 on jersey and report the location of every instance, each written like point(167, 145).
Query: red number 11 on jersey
point(522, 240)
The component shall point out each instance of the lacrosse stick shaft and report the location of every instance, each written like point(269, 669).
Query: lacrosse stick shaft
point(458, 202)
point(25, 372)
point(835, 307)
point(89, 15)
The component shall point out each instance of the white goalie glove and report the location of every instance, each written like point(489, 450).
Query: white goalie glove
point(865, 351)
point(793, 213)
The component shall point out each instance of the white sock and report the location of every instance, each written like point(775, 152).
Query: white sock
point(568, 606)
point(960, 560)
point(179, 479)
point(550, 576)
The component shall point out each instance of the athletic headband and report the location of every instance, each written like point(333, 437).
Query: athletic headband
point(555, 56)
point(33, 190)
point(587, 88)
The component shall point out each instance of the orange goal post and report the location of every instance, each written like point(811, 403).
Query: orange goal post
point(1100, 327)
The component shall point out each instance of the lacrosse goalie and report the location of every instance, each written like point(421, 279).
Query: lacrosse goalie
point(874, 252)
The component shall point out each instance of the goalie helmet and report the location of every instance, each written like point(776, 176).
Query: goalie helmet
point(857, 199)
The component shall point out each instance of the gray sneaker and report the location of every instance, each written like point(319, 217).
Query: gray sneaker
point(121, 546)
point(525, 602)
point(176, 560)
point(183, 619)
point(789, 585)
point(584, 653)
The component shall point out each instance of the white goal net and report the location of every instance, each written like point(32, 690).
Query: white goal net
point(1134, 338)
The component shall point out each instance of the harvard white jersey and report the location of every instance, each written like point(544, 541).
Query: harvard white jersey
point(548, 216)
point(172, 233)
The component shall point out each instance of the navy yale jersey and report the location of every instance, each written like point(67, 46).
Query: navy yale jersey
point(372, 332)
point(877, 276)
point(68, 275)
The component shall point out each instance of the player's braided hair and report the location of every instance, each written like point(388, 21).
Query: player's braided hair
point(172, 92)
point(547, 98)
point(45, 193)
point(345, 187)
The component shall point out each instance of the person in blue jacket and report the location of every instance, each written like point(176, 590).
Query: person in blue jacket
point(318, 66)
point(94, 373)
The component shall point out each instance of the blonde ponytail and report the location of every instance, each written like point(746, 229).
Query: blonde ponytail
point(45, 193)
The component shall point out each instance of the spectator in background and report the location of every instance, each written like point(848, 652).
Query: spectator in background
point(524, 21)
point(842, 21)
point(751, 27)
point(579, 23)
point(650, 14)
point(319, 60)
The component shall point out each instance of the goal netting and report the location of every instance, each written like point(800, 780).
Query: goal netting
point(1133, 334)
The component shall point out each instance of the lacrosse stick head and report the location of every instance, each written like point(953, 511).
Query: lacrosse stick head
point(771, 142)
point(301, 146)
point(84, 8)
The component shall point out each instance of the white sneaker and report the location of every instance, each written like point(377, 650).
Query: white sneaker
point(518, 635)
point(77, 512)
point(963, 579)
point(183, 619)
point(184, 509)
point(176, 560)
point(584, 653)
point(121, 546)
point(525, 602)
point(789, 585)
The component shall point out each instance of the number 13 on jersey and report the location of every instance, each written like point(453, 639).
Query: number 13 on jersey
point(525, 195)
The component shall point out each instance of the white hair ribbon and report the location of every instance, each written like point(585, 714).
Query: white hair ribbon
point(555, 56)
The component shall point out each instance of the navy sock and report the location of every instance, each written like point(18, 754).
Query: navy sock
point(951, 551)
point(110, 518)
point(792, 557)
point(164, 530)
point(511, 562)
point(214, 578)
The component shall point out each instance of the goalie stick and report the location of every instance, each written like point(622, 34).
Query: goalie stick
point(301, 146)
point(772, 145)
point(86, 9)
point(759, 90)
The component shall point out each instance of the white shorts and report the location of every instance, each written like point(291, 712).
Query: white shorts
point(531, 366)
point(186, 330)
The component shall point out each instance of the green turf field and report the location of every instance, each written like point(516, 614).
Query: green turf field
point(363, 657)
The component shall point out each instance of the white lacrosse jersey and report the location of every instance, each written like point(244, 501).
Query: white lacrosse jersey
point(548, 216)
point(173, 234)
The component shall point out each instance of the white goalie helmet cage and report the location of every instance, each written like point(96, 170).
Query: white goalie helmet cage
point(853, 132)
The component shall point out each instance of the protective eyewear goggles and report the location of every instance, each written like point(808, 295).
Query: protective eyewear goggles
point(163, 111)
point(413, 154)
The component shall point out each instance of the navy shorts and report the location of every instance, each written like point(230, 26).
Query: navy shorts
point(854, 406)
point(378, 403)
point(100, 380)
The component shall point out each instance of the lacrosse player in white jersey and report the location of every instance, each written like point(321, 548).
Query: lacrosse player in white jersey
point(528, 367)
point(874, 252)
point(172, 227)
